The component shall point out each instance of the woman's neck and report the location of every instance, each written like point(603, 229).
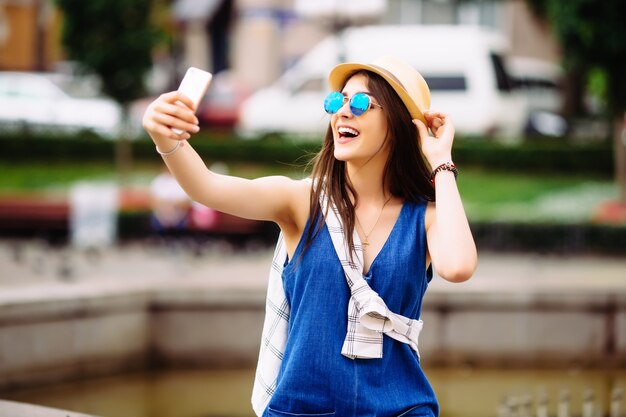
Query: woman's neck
point(367, 181)
point(366, 176)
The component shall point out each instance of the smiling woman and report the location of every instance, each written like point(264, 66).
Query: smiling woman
point(366, 213)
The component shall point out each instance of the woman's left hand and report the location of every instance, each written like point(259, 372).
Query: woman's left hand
point(438, 148)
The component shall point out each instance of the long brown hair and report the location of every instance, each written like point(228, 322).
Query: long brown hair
point(406, 174)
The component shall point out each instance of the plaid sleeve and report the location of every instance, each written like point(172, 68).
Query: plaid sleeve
point(274, 335)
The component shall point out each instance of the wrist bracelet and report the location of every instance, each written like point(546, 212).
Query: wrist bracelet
point(447, 166)
point(179, 144)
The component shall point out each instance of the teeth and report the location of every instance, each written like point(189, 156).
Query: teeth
point(344, 130)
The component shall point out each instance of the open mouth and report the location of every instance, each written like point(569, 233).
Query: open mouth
point(347, 133)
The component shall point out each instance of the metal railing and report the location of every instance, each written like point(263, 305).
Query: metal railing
point(524, 406)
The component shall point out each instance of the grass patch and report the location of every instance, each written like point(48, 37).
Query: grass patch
point(500, 196)
point(33, 177)
point(27, 177)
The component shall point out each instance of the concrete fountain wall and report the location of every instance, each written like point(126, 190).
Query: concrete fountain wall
point(58, 332)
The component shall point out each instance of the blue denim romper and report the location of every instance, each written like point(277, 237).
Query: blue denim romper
point(314, 378)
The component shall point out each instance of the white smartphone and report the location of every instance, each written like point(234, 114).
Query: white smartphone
point(194, 85)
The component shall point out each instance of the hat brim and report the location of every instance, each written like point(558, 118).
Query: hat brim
point(340, 74)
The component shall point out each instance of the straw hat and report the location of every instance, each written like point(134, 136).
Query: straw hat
point(403, 78)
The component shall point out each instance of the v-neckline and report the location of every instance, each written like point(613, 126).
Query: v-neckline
point(385, 244)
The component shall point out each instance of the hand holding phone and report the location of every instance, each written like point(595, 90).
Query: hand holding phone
point(194, 85)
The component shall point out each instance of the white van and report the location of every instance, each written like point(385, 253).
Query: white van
point(462, 65)
point(49, 102)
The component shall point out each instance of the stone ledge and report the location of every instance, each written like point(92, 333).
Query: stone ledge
point(11, 408)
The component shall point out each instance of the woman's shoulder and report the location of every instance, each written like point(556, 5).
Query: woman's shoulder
point(418, 203)
point(421, 209)
point(301, 193)
point(303, 186)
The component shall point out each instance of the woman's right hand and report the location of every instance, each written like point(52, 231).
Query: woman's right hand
point(437, 148)
point(170, 110)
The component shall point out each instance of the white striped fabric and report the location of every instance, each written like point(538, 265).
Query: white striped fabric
point(368, 315)
point(274, 336)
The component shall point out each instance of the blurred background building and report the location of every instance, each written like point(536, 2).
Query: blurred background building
point(259, 39)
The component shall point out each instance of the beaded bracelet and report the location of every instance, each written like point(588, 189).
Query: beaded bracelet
point(447, 166)
point(179, 144)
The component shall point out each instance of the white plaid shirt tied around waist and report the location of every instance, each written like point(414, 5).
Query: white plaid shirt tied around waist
point(368, 316)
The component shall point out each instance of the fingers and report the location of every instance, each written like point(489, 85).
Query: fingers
point(434, 114)
point(162, 126)
point(174, 96)
point(174, 122)
point(171, 110)
point(176, 110)
point(421, 128)
point(166, 132)
point(435, 119)
point(439, 146)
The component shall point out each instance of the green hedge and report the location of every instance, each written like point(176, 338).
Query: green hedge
point(563, 239)
point(544, 157)
point(556, 155)
point(33, 148)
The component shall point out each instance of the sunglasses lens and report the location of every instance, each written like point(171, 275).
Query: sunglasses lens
point(333, 102)
point(359, 103)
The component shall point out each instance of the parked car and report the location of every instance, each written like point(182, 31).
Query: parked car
point(220, 106)
point(46, 101)
point(541, 85)
point(464, 67)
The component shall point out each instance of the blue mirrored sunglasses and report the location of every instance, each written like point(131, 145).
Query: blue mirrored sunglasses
point(359, 103)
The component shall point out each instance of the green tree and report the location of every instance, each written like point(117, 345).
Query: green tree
point(113, 39)
point(592, 34)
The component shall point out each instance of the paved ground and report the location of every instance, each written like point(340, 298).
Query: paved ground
point(32, 265)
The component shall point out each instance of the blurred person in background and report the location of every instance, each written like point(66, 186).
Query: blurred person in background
point(357, 242)
point(170, 205)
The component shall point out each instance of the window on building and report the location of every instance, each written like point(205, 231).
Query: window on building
point(486, 13)
point(446, 83)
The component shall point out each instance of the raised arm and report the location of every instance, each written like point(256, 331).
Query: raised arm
point(450, 242)
point(269, 198)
